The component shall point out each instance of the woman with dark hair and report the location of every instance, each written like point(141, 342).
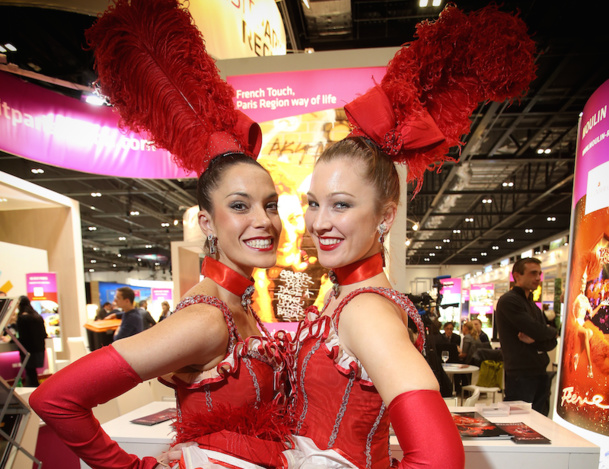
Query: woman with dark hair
point(356, 368)
point(225, 367)
point(32, 332)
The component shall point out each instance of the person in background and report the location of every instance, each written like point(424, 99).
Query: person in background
point(166, 312)
point(131, 319)
point(147, 319)
point(32, 333)
point(471, 342)
point(449, 336)
point(481, 334)
point(104, 311)
point(525, 338)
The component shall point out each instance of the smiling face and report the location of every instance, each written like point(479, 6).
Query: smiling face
point(245, 218)
point(342, 216)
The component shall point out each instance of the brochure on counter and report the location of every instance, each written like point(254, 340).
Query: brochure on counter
point(157, 417)
point(472, 425)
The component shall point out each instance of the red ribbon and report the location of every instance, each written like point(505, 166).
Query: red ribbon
point(224, 276)
point(360, 270)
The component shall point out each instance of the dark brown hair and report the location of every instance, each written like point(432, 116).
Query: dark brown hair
point(210, 179)
point(520, 263)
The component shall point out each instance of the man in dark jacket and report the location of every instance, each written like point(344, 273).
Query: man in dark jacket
point(131, 319)
point(525, 339)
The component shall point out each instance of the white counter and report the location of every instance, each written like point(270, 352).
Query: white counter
point(567, 449)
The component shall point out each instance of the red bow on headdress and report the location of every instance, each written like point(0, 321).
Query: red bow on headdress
point(372, 116)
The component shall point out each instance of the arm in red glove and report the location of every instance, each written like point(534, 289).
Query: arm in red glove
point(426, 431)
point(64, 402)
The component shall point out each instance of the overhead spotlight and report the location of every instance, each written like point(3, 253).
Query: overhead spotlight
point(474, 259)
point(487, 201)
point(93, 261)
point(92, 228)
point(547, 151)
point(432, 254)
point(456, 231)
point(122, 238)
point(95, 194)
point(483, 253)
point(438, 247)
point(528, 230)
point(134, 212)
point(423, 3)
point(3, 49)
point(175, 222)
point(37, 170)
point(164, 224)
point(495, 248)
point(10, 47)
point(508, 184)
point(94, 100)
point(148, 246)
point(510, 240)
point(408, 242)
point(113, 265)
point(119, 255)
point(415, 227)
point(540, 151)
point(469, 220)
point(91, 270)
point(309, 50)
point(551, 218)
point(96, 248)
point(426, 259)
point(446, 240)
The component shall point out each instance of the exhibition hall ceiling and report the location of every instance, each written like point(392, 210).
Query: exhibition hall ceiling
point(511, 188)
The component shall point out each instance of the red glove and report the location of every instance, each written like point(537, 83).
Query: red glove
point(64, 402)
point(426, 431)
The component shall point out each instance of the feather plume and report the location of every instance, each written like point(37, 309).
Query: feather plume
point(455, 63)
point(152, 65)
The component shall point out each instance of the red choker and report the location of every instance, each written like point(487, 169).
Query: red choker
point(226, 277)
point(358, 271)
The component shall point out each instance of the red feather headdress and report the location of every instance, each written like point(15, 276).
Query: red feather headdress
point(153, 67)
point(434, 83)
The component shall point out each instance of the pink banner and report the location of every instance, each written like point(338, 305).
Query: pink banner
point(276, 95)
point(41, 286)
point(50, 128)
point(451, 286)
point(593, 145)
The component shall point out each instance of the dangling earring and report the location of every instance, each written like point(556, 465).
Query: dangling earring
point(213, 243)
point(382, 229)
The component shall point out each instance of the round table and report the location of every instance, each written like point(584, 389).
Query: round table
point(452, 369)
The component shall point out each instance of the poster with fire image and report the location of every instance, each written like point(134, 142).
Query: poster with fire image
point(583, 387)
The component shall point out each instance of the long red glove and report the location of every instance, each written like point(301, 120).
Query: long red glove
point(64, 402)
point(426, 431)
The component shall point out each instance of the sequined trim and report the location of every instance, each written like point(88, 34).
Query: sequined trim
point(342, 410)
point(371, 436)
point(305, 400)
point(248, 365)
point(208, 401)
